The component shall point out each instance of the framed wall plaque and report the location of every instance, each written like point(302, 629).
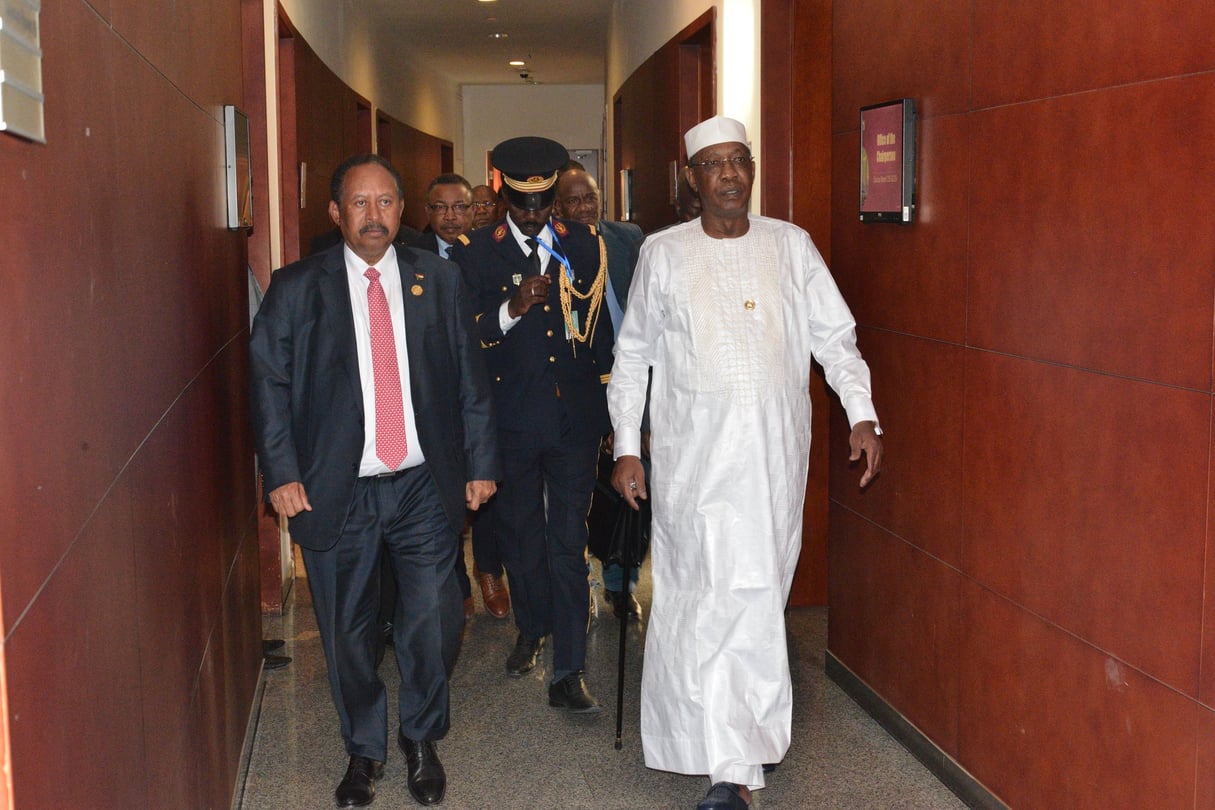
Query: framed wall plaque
point(237, 154)
point(888, 161)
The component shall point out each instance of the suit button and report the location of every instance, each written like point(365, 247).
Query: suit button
point(547, 307)
point(549, 333)
point(552, 359)
point(497, 379)
point(503, 288)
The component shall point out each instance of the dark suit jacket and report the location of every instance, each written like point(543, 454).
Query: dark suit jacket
point(428, 241)
point(307, 396)
point(623, 241)
point(537, 374)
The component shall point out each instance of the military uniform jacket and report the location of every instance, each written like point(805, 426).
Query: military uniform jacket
point(536, 373)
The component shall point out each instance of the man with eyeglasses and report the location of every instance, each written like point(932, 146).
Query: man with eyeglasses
point(450, 207)
point(487, 206)
point(728, 310)
point(449, 210)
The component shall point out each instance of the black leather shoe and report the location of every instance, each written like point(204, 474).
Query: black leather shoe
point(426, 777)
point(269, 645)
point(358, 785)
point(623, 603)
point(274, 661)
point(522, 659)
point(723, 796)
point(570, 693)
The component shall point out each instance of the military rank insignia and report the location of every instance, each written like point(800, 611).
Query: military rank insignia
point(560, 228)
point(500, 233)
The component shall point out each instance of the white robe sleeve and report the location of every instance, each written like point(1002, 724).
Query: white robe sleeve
point(635, 353)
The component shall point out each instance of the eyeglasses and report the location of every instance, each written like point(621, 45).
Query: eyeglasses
point(484, 204)
point(441, 208)
point(714, 166)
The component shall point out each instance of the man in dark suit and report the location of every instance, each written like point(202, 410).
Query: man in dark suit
point(375, 432)
point(538, 286)
point(578, 199)
point(488, 207)
point(450, 207)
point(449, 211)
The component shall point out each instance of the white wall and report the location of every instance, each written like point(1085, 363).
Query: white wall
point(375, 66)
point(571, 114)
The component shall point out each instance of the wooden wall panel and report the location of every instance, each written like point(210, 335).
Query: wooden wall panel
point(910, 655)
point(419, 158)
point(1100, 205)
point(648, 110)
point(1041, 338)
point(918, 385)
point(1044, 722)
point(672, 91)
point(1026, 49)
point(126, 464)
point(327, 121)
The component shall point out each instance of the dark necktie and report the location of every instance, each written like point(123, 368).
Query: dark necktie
point(390, 443)
point(534, 256)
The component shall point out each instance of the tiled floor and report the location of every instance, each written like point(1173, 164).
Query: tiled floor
point(508, 750)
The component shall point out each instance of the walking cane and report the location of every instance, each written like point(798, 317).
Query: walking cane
point(629, 516)
point(631, 531)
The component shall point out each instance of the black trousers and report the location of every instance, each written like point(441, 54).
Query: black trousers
point(403, 518)
point(486, 556)
point(539, 518)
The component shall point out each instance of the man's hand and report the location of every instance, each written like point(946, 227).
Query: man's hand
point(628, 478)
point(290, 499)
point(532, 291)
point(864, 439)
point(478, 492)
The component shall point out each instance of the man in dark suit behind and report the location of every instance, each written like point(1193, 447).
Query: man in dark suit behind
point(578, 199)
point(371, 408)
point(538, 286)
point(449, 211)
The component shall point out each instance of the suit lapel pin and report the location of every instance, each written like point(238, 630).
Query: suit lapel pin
point(416, 289)
point(516, 279)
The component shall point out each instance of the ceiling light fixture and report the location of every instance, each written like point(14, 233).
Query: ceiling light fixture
point(517, 63)
point(499, 35)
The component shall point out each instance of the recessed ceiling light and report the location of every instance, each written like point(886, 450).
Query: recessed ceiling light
point(517, 63)
point(499, 35)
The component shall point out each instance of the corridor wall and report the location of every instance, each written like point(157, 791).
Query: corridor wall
point(1029, 583)
point(129, 562)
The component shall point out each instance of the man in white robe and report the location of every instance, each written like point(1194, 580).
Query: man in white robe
point(728, 311)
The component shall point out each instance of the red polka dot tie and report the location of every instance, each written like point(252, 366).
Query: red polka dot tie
point(390, 443)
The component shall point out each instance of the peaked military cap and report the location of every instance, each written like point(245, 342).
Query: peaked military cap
point(529, 167)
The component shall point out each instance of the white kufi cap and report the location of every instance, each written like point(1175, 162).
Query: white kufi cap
point(715, 130)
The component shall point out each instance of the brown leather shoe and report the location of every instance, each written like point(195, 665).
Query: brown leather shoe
point(494, 594)
point(470, 608)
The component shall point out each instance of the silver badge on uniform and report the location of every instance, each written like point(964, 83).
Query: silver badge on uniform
point(516, 279)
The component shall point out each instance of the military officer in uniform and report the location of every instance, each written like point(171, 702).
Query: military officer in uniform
point(538, 287)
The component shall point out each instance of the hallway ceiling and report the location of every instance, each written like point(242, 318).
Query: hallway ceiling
point(453, 37)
